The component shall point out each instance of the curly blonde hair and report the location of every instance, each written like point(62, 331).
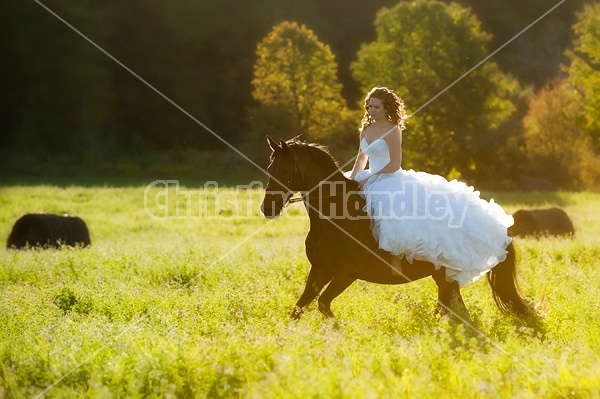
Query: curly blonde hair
point(392, 103)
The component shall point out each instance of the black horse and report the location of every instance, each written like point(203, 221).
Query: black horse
point(340, 245)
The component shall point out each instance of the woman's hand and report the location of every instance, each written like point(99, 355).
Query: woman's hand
point(362, 183)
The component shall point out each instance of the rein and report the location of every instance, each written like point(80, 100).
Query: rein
point(293, 200)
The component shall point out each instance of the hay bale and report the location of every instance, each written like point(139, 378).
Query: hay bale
point(536, 222)
point(48, 230)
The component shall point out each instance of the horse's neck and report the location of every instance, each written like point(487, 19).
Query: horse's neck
point(321, 182)
point(329, 199)
point(325, 198)
point(310, 171)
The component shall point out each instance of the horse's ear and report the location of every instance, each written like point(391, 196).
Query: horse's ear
point(283, 145)
point(274, 146)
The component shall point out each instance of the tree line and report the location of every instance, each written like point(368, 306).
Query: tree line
point(62, 95)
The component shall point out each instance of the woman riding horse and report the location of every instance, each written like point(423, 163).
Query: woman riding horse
point(340, 245)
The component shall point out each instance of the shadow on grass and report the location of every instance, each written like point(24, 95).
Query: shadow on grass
point(117, 182)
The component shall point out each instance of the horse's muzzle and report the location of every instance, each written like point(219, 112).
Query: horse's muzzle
point(270, 209)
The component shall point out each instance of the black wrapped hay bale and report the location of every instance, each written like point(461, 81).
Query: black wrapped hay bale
point(535, 222)
point(48, 230)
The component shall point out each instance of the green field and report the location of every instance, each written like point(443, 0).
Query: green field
point(199, 308)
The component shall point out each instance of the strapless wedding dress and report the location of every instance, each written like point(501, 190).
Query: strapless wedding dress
point(422, 216)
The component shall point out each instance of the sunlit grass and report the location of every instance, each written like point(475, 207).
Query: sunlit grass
point(195, 308)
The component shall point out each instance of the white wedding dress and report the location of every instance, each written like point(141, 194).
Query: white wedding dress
point(425, 217)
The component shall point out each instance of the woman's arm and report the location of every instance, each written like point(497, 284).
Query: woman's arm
point(359, 164)
point(361, 159)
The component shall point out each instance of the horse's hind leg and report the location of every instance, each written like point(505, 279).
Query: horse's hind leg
point(314, 284)
point(450, 300)
point(335, 288)
point(449, 297)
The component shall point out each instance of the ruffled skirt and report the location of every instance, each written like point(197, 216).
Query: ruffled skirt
point(421, 216)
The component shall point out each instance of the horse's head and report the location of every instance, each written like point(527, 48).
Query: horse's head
point(284, 178)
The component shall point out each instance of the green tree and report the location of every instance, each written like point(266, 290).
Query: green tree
point(421, 48)
point(558, 149)
point(584, 68)
point(296, 87)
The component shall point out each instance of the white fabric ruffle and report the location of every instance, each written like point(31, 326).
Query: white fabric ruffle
point(426, 217)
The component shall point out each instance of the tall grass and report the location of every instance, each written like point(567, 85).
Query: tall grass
point(199, 308)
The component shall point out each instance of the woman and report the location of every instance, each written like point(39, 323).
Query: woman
point(418, 215)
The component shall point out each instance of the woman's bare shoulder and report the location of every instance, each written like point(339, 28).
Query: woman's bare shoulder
point(366, 132)
point(392, 132)
point(366, 129)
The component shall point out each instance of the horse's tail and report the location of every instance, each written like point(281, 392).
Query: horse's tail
point(503, 280)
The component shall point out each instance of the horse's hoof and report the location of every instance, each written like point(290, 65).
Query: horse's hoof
point(296, 313)
point(326, 311)
point(440, 311)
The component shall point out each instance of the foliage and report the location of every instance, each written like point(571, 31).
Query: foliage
point(558, 147)
point(421, 48)
point(62, 97)
point(57, 94)
point(199, 308)
point(584, 67)
point(66, 104)
point(535, 56)
point(60, 94)
point(295, 79)
point(149, 165)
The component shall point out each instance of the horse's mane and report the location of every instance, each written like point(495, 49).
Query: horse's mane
point(320, 154)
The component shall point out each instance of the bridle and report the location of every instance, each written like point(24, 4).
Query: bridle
point(291, 181)
point(297, 171)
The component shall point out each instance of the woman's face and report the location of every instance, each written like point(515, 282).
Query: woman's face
point(376, 109)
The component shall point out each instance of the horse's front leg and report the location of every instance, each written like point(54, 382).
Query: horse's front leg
point(314, 284)
point(335, 288)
